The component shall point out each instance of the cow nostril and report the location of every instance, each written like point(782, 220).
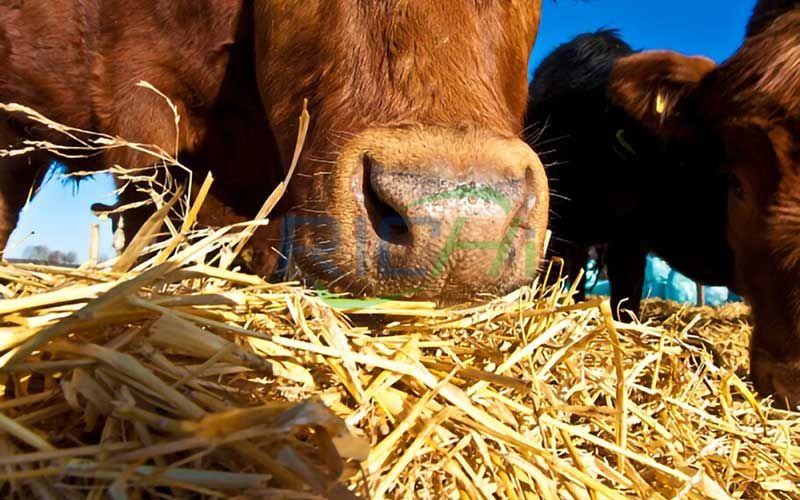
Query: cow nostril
point(530, 190)
point(388, 224)
point(530, 180)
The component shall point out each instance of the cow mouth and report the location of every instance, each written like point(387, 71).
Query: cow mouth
point(386, 222)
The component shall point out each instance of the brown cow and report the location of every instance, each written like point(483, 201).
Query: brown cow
point(413, 179)
point(748, 108)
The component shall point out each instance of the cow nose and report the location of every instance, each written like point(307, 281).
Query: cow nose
point(400, 203)
point(455, 213)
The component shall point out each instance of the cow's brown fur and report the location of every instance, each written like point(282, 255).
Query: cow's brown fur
point(653, 85)
point(749, 108)
point(438, 74)
point(79, 61)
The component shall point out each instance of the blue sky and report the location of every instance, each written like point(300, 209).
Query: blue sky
point(60, 218)
point(713, 28)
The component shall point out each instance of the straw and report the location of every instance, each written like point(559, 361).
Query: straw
point(177, 376)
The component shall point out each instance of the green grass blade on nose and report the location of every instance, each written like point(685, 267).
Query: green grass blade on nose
point(481, 192)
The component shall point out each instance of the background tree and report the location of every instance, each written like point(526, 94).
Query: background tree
point(43, 254)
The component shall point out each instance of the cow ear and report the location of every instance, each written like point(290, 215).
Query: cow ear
point(656, 87)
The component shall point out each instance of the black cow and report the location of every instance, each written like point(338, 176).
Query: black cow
point(614, 182)
point(766, 12)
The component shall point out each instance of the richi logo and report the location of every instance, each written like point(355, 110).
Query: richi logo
point(454, 243)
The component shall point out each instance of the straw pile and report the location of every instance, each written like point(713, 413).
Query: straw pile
point(174, 376)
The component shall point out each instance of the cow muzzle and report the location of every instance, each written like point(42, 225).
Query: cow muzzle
point(432, 213)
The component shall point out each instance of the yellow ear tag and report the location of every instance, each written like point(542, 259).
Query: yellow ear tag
point(661, 103)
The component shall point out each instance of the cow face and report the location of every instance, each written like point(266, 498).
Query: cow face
point(748, 112)
point(413, 180)
point(764, 208)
